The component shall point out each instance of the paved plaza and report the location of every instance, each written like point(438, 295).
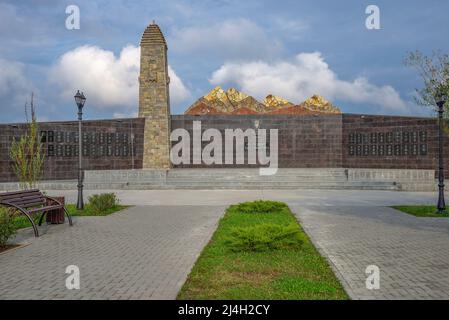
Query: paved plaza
point(144, 252)
point(147, 251)
point(412, 253)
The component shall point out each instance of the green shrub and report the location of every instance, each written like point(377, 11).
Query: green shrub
point(99, 203)
point(7, 228)
point(264, 237)
point(260, 206)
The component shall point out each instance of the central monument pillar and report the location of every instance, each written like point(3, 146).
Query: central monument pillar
point(154, 99)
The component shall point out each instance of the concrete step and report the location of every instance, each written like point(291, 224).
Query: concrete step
point(144, 186)
point(241, 178)
point(256, 179)
point(247, 178)
point(254, 173)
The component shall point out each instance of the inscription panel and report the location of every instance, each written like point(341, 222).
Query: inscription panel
point(393, 143)
point(95, 144)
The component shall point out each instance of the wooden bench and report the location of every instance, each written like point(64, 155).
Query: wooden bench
point(30, 202)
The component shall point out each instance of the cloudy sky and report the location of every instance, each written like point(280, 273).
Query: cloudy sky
point(289, 48)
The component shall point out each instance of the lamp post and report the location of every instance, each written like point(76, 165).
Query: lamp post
point(80, 99)
point(441, 206)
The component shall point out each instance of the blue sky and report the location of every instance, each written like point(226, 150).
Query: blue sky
point(288, 48)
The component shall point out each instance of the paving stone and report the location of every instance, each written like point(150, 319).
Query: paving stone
point(120, 256)
point(408, 250)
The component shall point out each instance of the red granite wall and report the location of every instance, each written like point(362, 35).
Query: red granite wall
point(391, 142)
point(107, 144)
point(332, 141)
point(303, 141)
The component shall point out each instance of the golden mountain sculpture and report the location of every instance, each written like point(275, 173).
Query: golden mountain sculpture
point(319, 104)
point(232, 101)
point(275, 101)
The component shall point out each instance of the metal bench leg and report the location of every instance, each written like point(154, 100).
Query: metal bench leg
point(36, 232)
point(42, 217)
point(68, 216)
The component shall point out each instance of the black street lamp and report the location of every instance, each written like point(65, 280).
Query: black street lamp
point(441, 206)
point(80, 99)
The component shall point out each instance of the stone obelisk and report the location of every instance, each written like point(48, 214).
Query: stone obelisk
point(154, 99)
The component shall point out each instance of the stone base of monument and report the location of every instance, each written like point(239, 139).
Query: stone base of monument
point(250, 179)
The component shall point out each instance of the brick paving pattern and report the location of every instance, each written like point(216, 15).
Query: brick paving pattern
point(412, 253)
point(146, 252)
point(141, 253)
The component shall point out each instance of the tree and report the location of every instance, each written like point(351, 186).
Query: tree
point(26, 152)
point(434, 71)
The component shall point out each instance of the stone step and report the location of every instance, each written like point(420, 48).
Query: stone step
point(244, 178)
point(250, 182)
point(257, 179)
point(253, 172)
point(143, 186)
point(249, 178)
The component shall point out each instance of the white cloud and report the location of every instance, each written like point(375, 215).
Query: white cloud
point(305, 75)
point(291, 29)
point(11, 76)
point(178, 92)
point(120, 115)
point(231, 39)
point(109, 82)
point(14, 86)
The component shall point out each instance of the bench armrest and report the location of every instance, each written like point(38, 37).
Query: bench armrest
point(53, 199)
point(19, 208)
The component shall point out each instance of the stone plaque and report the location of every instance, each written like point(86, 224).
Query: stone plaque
point(59, 150)
point(50, 136)
point(397, 137)
point(373, 150)
point(68, 150)
point(397, 149)
point(101, 137)
point(43, 135)
point(414, 149)
point(422, 136)
point(398, 143)
point(381, 150)
point(389, 150)
point(423, 149)
point(381, 137)
point(365, 150)
point(365, 138)
point(59, 136)
point(93, 151)
point(373, 136)
point(85, 150)
point(406, 137)
point(351, 150)
point(405, 150)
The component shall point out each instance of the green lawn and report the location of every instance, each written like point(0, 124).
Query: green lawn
point(288, 273)
point(422, 211)
point(23, 222)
